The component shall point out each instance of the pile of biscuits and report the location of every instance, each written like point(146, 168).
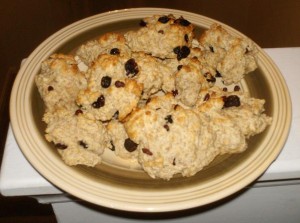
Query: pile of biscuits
point(159, 95)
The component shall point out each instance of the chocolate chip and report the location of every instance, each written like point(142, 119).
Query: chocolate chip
point(230, 101)
point(131, 68)
point(167, 127)
point(114, 51)
point(119, 84)
point(206, 97)
point(50, 88)
point(174, 162)
point(61, 146)
point(99, 103)
point(105, 81)
point(225, 89)
point(169, 119)
point(83, 144)
point(130, 145)
point(186, 38)
point(78, 112)
point(236, 88)
point(179, 67)
point(147, 151)
point(211, 49)
point(143, 23)
point(163, 19)
point(161, 32)
point(182, 21)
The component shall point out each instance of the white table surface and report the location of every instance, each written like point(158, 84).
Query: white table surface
point(18, 177)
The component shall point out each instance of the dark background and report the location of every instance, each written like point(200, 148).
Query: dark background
point(25, 24)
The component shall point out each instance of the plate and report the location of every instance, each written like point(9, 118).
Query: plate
point(113, 184)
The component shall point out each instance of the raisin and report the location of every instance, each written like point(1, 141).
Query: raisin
point(119, 84)
point(176, 50)
point(169, 119)
point(211, 49)
point(50, 88)
point(212, 79)
point(143, 23)
point(61, 146)
point(230, 101)
point(147, 151)
point(182, 21)
point(113, 148)
point(179, 67)
point(99, 103)
point(167, 127)
point(130, 145)
point(186, 38)
point(83, 144)
point(78, 112)
point(116, 115)
point(175, 92)
point(236, 88)
point(209, 77)
point(131, 68)
point(185, 51)
point(182, 52)
point(218, 74)
point(163, 19)
point(148, 100)
point(105, 81)
point(114, 51)
point(206, 97)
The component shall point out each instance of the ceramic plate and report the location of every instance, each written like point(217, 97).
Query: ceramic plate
point(113, 184)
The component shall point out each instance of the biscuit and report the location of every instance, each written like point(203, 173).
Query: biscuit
point(153, 74)
point(162, 36)
point(195, 58)
point(109, 43)
point(82, 142)
point(111, 89)
point(59, 82)
point(189, 80)
point(169, 143)
point(231, 56)
point(119, 139)
point(233, 117)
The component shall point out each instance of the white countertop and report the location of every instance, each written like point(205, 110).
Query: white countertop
point(18, 177)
